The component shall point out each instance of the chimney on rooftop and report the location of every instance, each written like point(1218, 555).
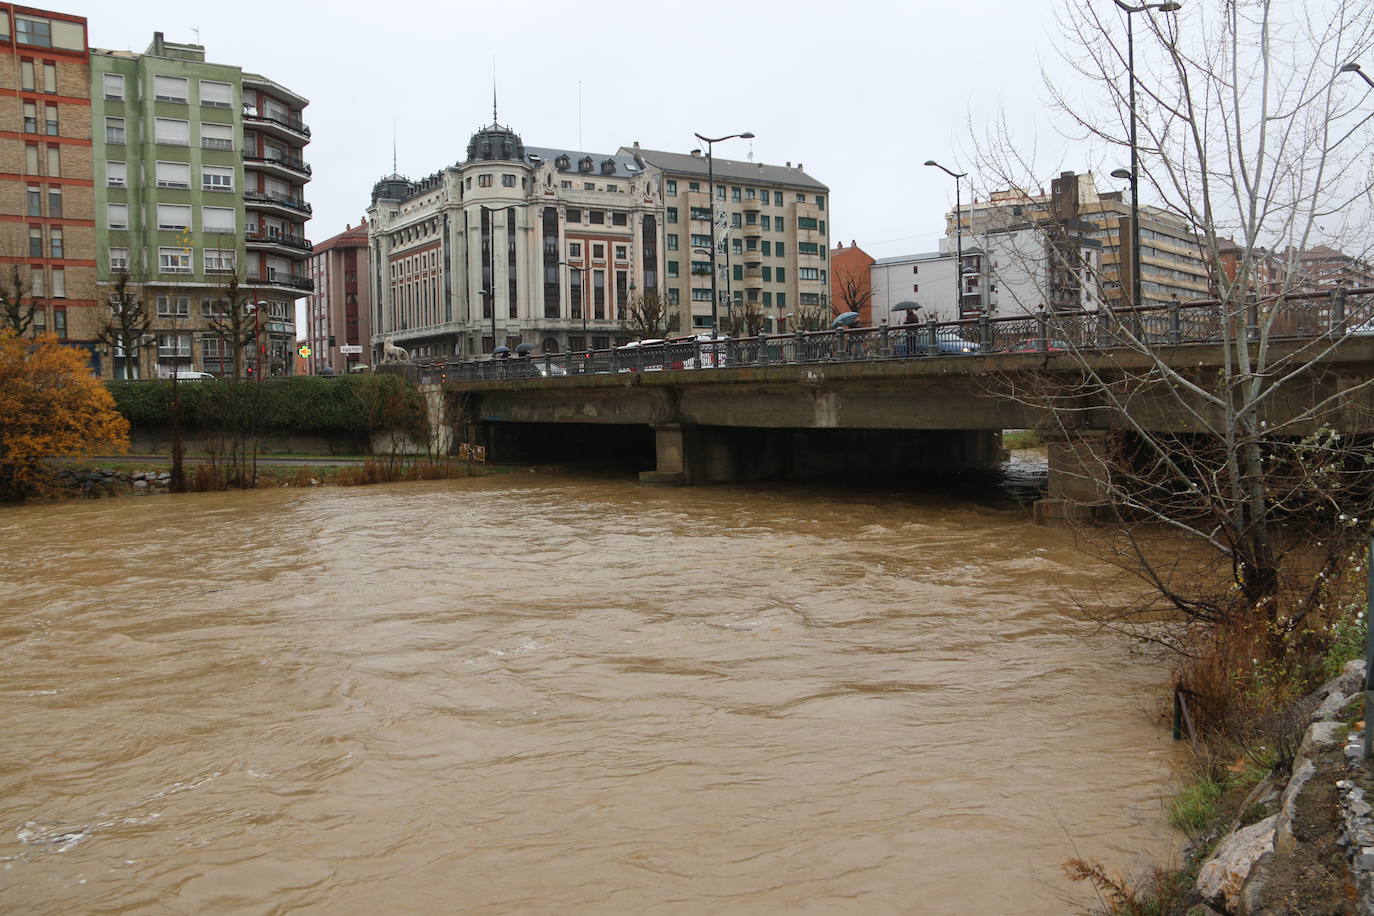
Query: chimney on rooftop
point(789, 164)
point(799, 166)
point(696, 152)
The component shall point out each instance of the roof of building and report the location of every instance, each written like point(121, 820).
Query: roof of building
point(352, 237)
point(496, 141)
point(623, 166)
point(727, 169)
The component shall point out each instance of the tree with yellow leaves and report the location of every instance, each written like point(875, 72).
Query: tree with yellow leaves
point(51, 406)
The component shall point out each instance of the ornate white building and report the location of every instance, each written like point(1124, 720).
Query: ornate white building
point(514, 244)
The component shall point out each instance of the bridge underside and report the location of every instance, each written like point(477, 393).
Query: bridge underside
point(697, 454)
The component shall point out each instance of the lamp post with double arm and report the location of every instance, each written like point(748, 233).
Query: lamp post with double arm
point(1130, 12)
point(711, 189)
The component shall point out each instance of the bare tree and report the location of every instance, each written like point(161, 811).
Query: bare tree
point(744, 320)
point(17, 304)
point(853, 291)
point(648, 315)
point(236, 323)
point(125, 329)
point(1248, 131)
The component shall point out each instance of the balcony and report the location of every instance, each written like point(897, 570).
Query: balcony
point(753, 231)
point(285, 279)
point(283, 125)
point(294, 205)
point(290, 166)
point(275, 238)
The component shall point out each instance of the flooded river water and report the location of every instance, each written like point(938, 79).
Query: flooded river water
point(561, 694)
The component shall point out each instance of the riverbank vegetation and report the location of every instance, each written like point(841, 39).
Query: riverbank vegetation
point(50, 406)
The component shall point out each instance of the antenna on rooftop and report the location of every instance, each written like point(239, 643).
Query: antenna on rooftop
point(196, 29)
point(394, 170)
point(493, 90)
point(579, 115)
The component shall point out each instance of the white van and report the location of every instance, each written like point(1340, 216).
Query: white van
point(187, 375)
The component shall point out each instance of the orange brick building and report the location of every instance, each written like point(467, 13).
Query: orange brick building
point(850, 287)
point(47, 206)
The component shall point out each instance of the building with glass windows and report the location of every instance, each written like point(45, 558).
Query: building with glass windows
point(47, 238)
point(513, 244)
point(775, 261)
point(199, 178)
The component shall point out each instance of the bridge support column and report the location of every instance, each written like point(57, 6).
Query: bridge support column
point(670, 448)
point(1080, 475)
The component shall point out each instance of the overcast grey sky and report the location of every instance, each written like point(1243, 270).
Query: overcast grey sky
point(862, 93)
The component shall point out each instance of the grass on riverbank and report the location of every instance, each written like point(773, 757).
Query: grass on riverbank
point(1021, 438)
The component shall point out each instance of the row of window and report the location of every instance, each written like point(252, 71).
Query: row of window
point(53, 248)
point(622, 252)
point(178, 260)
point(35, 197)
point(738, 194)
point(28, 75)
point(173, 132)
point(213, 93)
point(49, 124)
point(177, 217)
point(47, 283)
point(175, 175)
point(598, 217)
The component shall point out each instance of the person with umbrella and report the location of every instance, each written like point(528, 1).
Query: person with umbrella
point(907, 346)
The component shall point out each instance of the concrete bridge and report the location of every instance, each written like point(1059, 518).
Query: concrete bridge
point(857, 406)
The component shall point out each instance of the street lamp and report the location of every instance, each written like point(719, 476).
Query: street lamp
point(958, 238)
point(711, 189)
point(581, 299)
point(1353, 67)
point(1135, 159)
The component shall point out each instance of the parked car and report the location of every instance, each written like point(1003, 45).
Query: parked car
point(915, 341)
point(187, 375)
point(630, 350)
point(1037, 345)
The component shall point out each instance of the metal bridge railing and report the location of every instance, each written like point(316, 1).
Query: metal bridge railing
point(1295, 316)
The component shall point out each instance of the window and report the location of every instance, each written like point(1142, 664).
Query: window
point(35, 242)
point(26, 78)
point(507, 181)
point(171, 131)
point(767, 248)
point(116, 173)
point(820, 202)
point(216, 95)
point(701, 295)
point(736, 246)
point(169, 88)
point(218, 219)
point(50, 78)
point(50, 119)
point(810, 298)
point(59, 316)
point(38, 288)
point(172, 261)
point(672, 269)
point(483, 181)
point(672, 214)
point(596, 216)
point(621, 252)
point(113, 87)
point(767, 273)
point(701, 241)
point(720, 192)
point(777, 198)
point(118, 216)
point(778, 248)
point(801, 198)
point(574, 249)
point(574, 215)
point(216, 136)
point(766, 221)
point(806, 222)
point(738, 271)
point(599, 252)
point(822, 227)
point(612, 188)
point(55, 203)
point(119, 259)
point(33, 32)
point(35, 201)
point(808, 248)
point(31, 117)
point(173, 174)
point(565, 185)
point(749, 194)
point(174, 345)
point(781, 297)
point(735, 221)
point(59, 288)
point(173, 216)
point(671, 185)
point(671, 242)
point(173, 306)
point(219, 260)
point(735, 194)
point(701, 268)
point(915, 268)
point(674, 295)
point(701, 213)
point(589, 185)
point(214, 308)
point(780, 274)
point(619, 219)
point(54, 160)
point(216, 178)
point(811, 273)
point(31, 158)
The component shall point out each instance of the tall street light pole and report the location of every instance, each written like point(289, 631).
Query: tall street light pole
point(1354, 68)
point(958, 238)
point(711, 189)
point(1135, 158)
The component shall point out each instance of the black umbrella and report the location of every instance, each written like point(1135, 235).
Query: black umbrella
point(847, 320)
point(525, 349)
point(906, 305)
point(500, 352)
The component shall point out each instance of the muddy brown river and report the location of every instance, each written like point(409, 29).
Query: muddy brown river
point(540, 693)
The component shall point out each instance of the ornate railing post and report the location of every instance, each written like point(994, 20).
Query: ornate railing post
point(932, 342)
point(1337, 319)
point(1175, 320)
point(762, 356)
point(884, 345)
point(799, 348)
point(1104, 325)
point(1252, 315)
point(837, 347)
point(1042, 330)
point(984, 332)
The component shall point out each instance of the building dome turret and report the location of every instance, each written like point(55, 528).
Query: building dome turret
point(496, 141)
point(392, 187)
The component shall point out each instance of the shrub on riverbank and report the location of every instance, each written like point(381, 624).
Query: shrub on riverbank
point(305, 404)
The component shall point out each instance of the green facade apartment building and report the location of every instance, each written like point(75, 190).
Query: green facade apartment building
point(199, 179)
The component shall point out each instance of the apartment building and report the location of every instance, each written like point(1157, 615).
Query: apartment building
point(513, 244)
point(47, 225)
point(777, 242)
point(339, 311)
point(1172, 262)
point(199, 181)
point(1323, 267)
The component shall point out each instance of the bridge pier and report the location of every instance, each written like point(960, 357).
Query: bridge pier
point(1080, 474)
